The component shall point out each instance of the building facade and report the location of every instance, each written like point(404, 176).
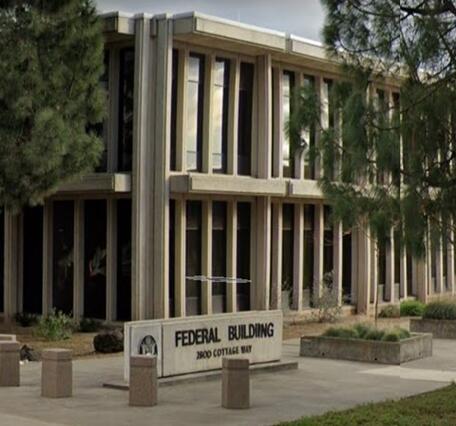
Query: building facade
point(198, 180)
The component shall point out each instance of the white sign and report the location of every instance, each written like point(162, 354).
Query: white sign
point(192, 344)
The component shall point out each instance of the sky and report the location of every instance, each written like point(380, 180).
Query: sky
point(303, 18)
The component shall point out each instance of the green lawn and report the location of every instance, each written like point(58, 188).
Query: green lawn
point(435, 408)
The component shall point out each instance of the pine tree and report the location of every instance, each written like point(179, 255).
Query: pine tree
point(405, 41)
point(50, 64)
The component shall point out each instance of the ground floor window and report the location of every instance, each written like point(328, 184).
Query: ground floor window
point(347, 266)
point(193, 257)
point(124, 259)
point(243, 255)
point(309, 228)
point(63, 256)
point(287, 246)
point(219, 253)
point(95, 259)
point(32, 268)
point(171, 257)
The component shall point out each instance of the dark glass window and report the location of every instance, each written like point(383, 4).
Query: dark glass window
point(124, 259)
point(95, 259)
point(287, 246)
point(327, 241)
point(410, 287)
point(243, 255)
point(381, 245)
point(219, 253)
point(101, 129)
point(175, 72)
point(126, 99)
point(309, 213)
point(195, 110)
point(171, 257)
point(347, 266)
point(245, 118)
point(287, 88)
point(309, 136)
point(220, 115)
point(397, 257)
point(193, 257)
point(2, 258)
point(63, 256)
point(33, 260)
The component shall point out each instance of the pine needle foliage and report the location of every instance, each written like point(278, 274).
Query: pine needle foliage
point(411, 45)
point(50, 65)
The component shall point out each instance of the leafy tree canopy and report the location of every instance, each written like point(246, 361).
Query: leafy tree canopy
point(389, 160)
point(50, 65)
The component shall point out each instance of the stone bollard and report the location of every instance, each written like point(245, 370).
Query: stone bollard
point(235, 383)
point(143, 381)
point(9, 363)
point(56, 373)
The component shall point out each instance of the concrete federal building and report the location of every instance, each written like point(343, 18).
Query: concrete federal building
point(198, 179)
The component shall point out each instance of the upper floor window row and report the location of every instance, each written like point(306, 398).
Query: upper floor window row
point(210, 95)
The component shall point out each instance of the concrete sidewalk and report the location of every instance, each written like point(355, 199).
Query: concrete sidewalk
point(316, 387)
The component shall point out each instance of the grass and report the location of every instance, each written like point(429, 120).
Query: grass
point(367, 332)
point(437, 408)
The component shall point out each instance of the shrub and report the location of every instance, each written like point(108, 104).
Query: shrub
point(89, 325)
point(390, 311)
point(412, 308)
point(367, 332)
point(55, 326)
point(342, 332)
point(26, 319)
point(444, 309)
point(327, 304)
point(108, 342)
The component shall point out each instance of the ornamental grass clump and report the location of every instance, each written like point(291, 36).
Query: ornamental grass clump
point(441, 310)
point(55, 326)
point(412, 308)
point(367, 332)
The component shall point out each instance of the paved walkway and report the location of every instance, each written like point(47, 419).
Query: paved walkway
point(316, 387)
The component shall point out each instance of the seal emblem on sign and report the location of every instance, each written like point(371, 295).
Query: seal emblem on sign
point(148, 346)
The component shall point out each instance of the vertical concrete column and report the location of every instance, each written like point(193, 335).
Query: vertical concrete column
point(78, 258)
point(231, 290)
point(389, 284)
point(364, 273)
point(450, 257)
point(262, 225)
point(143, 381)
point(56, 373)
point(403, 273)
point(374, 271)
point(11, 256)
point(233, 117)
point(142, 175)
point(9, 364)
point(111, 260)
point(235, 383)
point(276, 258)
point(160, 131)
point(319, 229)
point(337, 259)
point(179, 258)
point(47, 256)
point(298, 256)
point(206, 286)
point(420, 277)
